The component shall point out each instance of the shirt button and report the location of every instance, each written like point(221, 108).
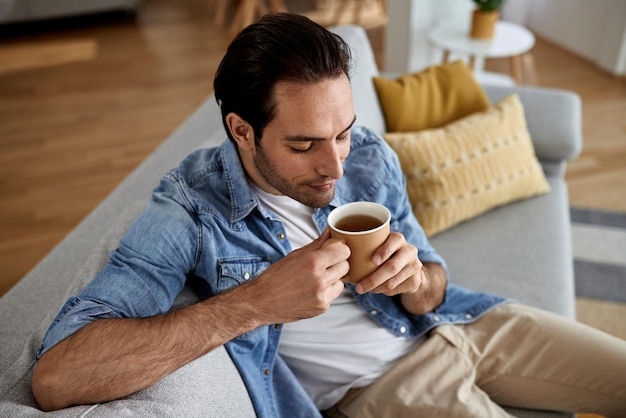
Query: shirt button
point(403, 330)
point(373, 312)
point(436, 318)
point(276, 326)
point(281, 236)
point(468, 316)
point(246, 276)
point(266, 372)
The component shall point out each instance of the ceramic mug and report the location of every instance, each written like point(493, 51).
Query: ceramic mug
point(363, 226)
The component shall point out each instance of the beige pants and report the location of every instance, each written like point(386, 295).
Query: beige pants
point(515, 355)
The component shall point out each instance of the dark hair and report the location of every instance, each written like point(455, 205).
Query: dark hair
point(279, 47)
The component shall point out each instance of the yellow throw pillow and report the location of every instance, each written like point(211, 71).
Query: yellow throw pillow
point(470, 166)
point(430, 98)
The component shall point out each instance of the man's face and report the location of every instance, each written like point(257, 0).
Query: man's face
point(303, 148)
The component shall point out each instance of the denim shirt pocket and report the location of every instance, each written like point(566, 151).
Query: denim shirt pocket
point(238, 270)
point(234, 272)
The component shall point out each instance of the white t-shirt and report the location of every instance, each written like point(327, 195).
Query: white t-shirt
point(342, 348)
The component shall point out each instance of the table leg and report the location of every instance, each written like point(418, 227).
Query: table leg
point(220, 13)
point(277, 6)
point(472, 62)
point(516, 69)
point(261, 9)
point(244, 16)
point(446, 56)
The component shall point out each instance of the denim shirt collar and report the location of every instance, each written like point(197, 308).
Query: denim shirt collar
point(242, 197)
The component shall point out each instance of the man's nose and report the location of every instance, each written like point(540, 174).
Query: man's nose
point(330, 163)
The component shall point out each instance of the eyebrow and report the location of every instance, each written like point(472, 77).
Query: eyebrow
point(304, 138)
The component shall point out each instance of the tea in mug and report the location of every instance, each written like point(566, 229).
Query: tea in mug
point(358, 223)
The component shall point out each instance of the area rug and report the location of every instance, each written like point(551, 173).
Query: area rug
point(599, 244)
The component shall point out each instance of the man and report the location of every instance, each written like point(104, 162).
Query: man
point(246, 221)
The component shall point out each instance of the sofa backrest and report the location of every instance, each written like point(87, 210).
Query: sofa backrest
point(367, 107)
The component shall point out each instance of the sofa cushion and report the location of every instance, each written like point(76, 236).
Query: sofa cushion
point(430, 98)
point(469, 166)
point(522, 250)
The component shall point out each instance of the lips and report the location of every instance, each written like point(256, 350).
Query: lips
point(324, 187)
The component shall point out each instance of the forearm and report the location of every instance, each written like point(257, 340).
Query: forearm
point(111, 358)
point(431, 292)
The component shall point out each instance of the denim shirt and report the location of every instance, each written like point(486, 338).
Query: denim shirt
point(205, 222)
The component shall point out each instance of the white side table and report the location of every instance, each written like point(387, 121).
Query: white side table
point(509, 40)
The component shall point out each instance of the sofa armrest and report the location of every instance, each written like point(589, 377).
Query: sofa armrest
point(553, 117)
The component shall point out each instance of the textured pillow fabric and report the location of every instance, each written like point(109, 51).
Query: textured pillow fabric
point(430, 98)
point(470, 166)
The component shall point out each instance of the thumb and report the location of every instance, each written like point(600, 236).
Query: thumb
point(332, 240)
point(321, 241)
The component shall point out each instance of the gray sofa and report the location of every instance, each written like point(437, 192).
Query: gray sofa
point(521, 250)
point(12, 11)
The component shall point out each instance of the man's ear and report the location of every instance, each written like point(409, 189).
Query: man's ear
point(241, 131)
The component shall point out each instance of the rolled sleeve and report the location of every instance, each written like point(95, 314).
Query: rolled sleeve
point(74, 315)
point(144, 274)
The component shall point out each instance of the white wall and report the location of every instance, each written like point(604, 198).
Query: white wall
point(596, 30)
point(407, 48)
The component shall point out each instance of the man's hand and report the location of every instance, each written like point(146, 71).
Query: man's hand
point(304, 283)
point(400, 272)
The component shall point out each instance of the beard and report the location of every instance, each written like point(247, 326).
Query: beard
point(301, 192)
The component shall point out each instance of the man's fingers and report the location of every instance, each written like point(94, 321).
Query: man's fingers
point(389, 247)
point(396, 270)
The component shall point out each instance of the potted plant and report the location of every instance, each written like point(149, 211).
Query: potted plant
point(484, 18)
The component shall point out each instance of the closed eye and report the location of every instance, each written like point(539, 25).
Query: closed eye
point(308, 146)
point(302, 150)
point(305, 143)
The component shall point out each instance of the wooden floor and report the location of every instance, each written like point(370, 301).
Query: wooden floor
point(597, 179)
point(83, 102)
